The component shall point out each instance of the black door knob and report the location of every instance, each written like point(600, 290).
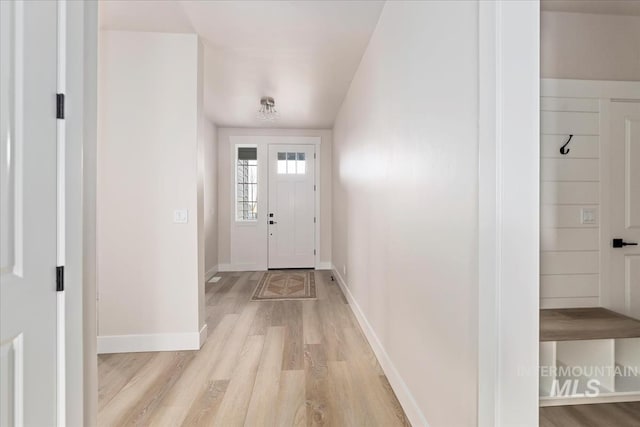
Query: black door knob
point(619, 243)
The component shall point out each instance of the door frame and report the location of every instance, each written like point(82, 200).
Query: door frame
point(316, 196)
point(80, 356)
point(262, 142)
point(509, 218)
point(61, 87)
point(508, 83)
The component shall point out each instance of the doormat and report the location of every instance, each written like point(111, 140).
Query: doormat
point(286, 285)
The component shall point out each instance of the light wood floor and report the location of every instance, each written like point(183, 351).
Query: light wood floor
point(566, 324)
point(266, 363)
point(600, 415)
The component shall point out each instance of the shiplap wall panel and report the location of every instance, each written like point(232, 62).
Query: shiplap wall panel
point(549, 103)
point(580, 146)
point(570, 193)
point(570, 239)
point(567, 286)
point(570, 169)
point(552, 263)
point(570, 257)
point(566, 216)
point(569, 123)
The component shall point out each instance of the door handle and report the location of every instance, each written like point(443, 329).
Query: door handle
point(272, 222)
point(619, 243)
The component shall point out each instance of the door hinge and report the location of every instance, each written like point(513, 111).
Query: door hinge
point(60, 278)
point(314, 219)
point(314, 155)
point(314, 251)
point(314, 188)
point(59, 105)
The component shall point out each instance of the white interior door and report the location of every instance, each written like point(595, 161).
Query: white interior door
point(28, 76)
point(291, 206)
point(624, 274)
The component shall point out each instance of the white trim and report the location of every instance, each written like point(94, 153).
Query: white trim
point(210, 273)
point(324, 265)
point(225, 267)
point(203, 335)
point(252, 140)
point(81, 358)
point(508, 236)
point(604, 290)
point(317, 183)
point(239, 267)
point(18, 108)
point(631, 396)
point(18, 380)
point(590, 89)
point(489, 155)
point(61, 359)
point(222, 268)
point(150, 342)
point(406, 399)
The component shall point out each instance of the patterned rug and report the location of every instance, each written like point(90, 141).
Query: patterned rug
point(286, 285)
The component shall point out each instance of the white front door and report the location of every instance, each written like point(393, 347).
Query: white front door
point(28, 82)
point(291, 206)
point(624, 255)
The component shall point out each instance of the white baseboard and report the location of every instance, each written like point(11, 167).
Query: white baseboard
point(411, 408)
point(323, 266)
point(210, 273)
point(240, 267)
point(589, 400)
point(224, 267)
point(252, 267)
point(151, 342)
point(204, 333)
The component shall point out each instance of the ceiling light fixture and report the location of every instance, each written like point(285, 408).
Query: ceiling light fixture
point(267, 111)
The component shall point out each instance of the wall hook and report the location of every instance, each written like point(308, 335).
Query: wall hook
point(564, 150)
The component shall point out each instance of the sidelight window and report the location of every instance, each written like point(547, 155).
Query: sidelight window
point(247, 184)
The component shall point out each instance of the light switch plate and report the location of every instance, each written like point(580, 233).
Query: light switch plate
point(588, 216)
point(180, 216)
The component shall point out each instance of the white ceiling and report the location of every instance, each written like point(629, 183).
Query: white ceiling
point(603, 7)
point(302, 53)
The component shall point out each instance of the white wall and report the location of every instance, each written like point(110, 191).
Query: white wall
point(405, 203)
point(226, 196)
point(590, 47)
point(148, 267)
